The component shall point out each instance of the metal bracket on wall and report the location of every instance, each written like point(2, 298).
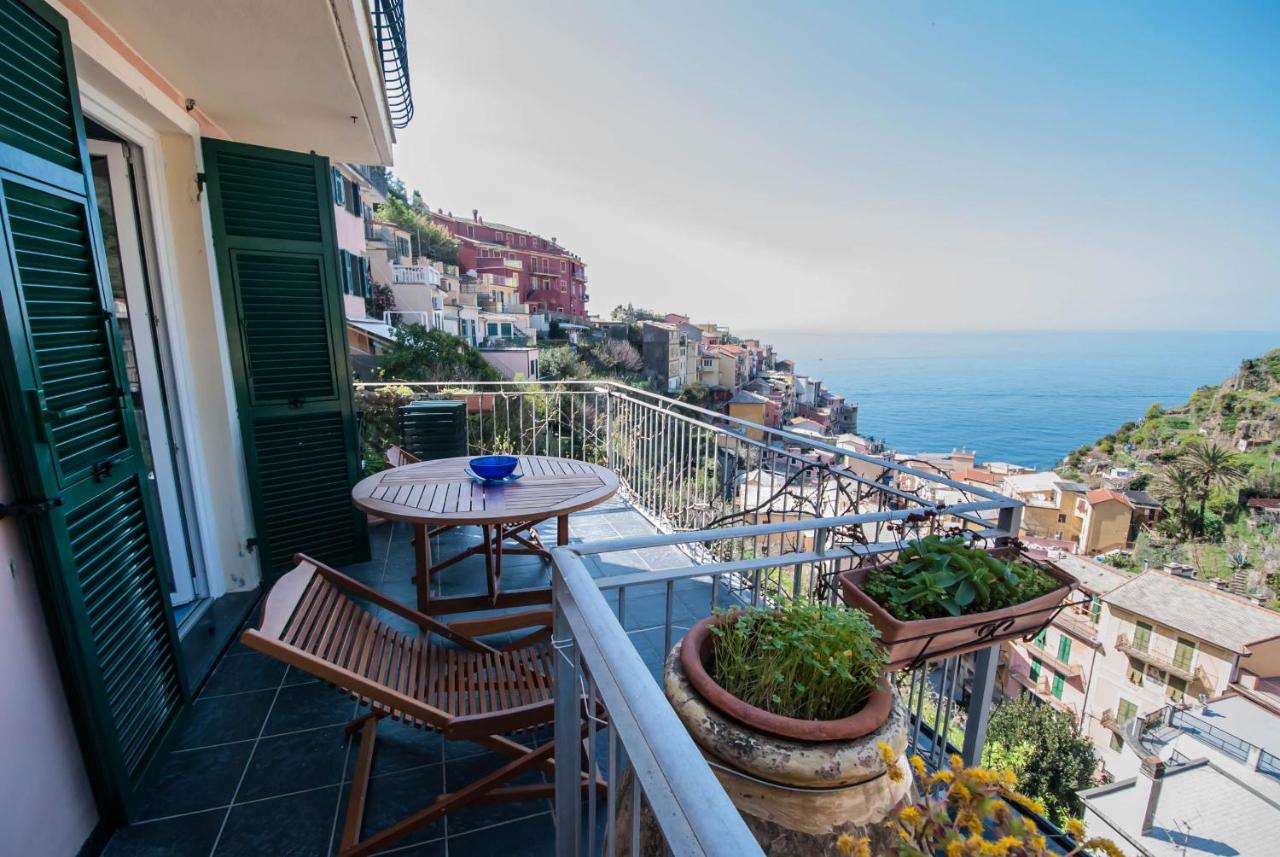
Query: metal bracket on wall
point(29, 508)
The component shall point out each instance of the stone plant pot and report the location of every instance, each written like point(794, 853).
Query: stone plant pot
point(918, 640)
point(796, 796)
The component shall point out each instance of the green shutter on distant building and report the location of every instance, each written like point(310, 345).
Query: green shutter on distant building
point(99, 562)
point(286, 331)
point(1036, 666)
point(1058, 682)
point(1064, 649)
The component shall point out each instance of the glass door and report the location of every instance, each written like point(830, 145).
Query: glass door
point(126, 266)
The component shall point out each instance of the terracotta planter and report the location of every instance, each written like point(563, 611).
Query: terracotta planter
point(917, 640)
point(695, 659)
point(796, 797)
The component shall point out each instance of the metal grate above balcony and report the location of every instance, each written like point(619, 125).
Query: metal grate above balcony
point(393, 51)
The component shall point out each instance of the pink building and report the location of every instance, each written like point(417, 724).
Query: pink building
point(551, 278)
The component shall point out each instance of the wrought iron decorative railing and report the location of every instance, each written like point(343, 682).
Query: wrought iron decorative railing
point(393, 54)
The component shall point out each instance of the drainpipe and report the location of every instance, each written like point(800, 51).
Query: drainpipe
point(1088, 686)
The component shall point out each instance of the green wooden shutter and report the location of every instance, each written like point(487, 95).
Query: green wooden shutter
point(344, 269)
point(273, 233)
point(69, 429)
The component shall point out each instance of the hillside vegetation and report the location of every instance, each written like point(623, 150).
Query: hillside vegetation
point(1204, 459)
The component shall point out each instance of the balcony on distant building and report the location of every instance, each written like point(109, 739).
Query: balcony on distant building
point(1183, 668)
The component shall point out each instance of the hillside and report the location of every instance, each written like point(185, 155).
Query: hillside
point(1239, 420)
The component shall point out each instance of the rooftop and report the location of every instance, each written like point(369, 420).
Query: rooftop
point(743, 397)
point(1201, 810)
point(1103, 495)
point(1203, 612)
point(1094, 577)
point(1031, 483)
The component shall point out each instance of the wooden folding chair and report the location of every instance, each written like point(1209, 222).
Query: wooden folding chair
point(457, 684)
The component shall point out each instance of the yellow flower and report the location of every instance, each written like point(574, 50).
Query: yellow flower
point(957, 764)
point(1027, 802)
point(910, 816)
point(943, 777)
point(1075, 827)
point(848, 653)
point(961, 793)
point(886, 753)
point(845, 843)
point(1106, 846)
point(1008, 778)
point(955, 848)
point(862, 848)
point(917, 765)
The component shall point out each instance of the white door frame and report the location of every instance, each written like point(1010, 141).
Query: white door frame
point(141, 323)
point(125, 124)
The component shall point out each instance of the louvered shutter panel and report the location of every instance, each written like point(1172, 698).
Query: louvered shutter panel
point(69, 427)
point(282, 282)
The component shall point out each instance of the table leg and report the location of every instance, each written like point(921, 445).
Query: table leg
point(562, 530)
point(422, 565)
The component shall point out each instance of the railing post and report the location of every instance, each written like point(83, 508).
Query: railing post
point(979, 712)
point(568, 728)
point(1010, 520)
point(608, 428)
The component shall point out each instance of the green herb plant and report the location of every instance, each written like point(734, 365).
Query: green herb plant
point(810, 662)
point(935, 577)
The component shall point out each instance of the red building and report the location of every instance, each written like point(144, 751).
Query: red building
point(551, 278)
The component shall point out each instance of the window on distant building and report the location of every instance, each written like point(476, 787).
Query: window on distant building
point(1095, 609)
point(471, 232)
point(1142, 637)
point(1064, 649)
point(562, 285)
point(1036, 666)
point(1058, 681)
point(1040, 638)
point(522, 241)
point(1183, 653)
point(508, 237)
point(339, 197)
point(1135, 672)
point(564, 266)
point(1062, 519)
point(492, 328)
point(1177, 688)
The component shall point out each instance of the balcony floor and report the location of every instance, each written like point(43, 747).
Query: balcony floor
point(262, 766)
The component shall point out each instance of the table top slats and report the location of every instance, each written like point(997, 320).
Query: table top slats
point(440, 491)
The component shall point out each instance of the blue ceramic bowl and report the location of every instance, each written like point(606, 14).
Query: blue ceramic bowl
point(494, 466)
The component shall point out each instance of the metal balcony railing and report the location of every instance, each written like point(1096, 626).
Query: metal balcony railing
point(748, 519)
point(393, 54)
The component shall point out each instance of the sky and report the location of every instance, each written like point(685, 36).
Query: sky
point(884, 166)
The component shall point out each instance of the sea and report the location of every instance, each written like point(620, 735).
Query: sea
point(1027, 398)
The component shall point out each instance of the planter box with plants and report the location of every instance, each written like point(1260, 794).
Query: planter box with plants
point(941, 596)
point(795, 710)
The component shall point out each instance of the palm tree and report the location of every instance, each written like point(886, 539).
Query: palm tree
point(1212, 465)
point(1177, 483)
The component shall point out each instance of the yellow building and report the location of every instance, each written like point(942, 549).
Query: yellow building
point(750, 407)
point(1105, 517)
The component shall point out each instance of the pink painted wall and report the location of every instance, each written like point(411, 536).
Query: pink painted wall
point(46, 806)
point(350, 231)
point(512, 362)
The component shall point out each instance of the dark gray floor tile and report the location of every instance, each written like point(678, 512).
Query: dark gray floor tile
point(296, 825)
point(307, 706)
point(290, 763)
point(184, 836)
point(461, 772)
point(400, 747)
point(221, 719)
point(530, 836)
point(396, 796)
point(240, 673)
point(193, 780)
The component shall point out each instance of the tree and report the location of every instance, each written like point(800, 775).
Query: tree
point(618, 355)
point(1155, 411)
point(696, 394)
point(419, 354)
point(1040, 744)
point(1177, 483)
point(1213, 465)
point(560, 364)
point(427, 238)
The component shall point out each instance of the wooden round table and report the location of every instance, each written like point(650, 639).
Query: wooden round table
point(435, 495)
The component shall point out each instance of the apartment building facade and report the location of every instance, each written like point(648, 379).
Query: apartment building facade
point(169, 221)
point(548, 277)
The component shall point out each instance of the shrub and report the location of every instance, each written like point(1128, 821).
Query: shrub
point(380, 406)
point(935, 577)
point(811, 662)
point(419, 354)
point(968, 811)
point(1040, 745)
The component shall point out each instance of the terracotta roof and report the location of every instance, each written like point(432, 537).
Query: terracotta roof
point(1102, 495)
point(731, 350)
point(1263, 502)
point(976, 474)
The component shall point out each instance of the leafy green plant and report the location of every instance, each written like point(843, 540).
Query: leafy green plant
point(936, 576)
point(811, 662)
